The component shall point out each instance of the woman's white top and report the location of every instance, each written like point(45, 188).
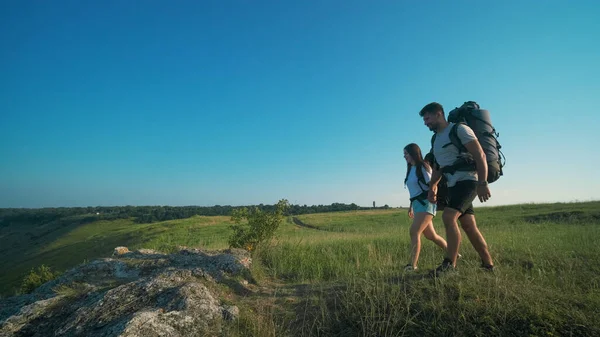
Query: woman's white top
point(412, 183)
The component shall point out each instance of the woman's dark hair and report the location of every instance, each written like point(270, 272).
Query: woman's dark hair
point(415, 152)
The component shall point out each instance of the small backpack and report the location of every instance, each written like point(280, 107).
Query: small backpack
point(420, 176)
point(421, 182)
point(480, 122)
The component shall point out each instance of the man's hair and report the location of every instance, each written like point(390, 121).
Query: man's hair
point(432, 108)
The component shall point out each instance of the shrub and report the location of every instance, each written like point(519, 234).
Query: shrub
point(36, 278)
point(260, 226)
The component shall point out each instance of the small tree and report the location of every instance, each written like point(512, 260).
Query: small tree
point(36, 278)
point(259, 228)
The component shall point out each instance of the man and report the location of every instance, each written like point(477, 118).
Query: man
point(463, 186)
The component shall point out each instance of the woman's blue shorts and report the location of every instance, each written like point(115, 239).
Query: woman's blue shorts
point(427, 207)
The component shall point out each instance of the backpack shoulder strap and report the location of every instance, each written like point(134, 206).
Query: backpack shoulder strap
point(420, 176)
point(465, 160)
point(434, 162)
point(453, 135)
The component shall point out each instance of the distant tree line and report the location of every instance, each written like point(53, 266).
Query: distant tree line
point(147, 214)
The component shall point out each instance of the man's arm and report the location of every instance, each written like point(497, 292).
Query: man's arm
point(436, 175)
point(476, 151)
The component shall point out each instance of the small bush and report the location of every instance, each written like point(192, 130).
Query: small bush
point(260, 226)
point(73, 290)
point(36, 278)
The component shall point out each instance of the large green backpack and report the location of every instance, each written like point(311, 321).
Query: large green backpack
point(480, 122)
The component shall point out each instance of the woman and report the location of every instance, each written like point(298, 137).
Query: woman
point(418, 174)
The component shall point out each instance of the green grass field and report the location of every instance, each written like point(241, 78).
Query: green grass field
point(342, 276)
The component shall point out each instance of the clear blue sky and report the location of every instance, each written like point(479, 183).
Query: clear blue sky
point(247, 102)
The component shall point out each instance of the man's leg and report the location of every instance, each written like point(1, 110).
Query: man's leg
point(453, 236)
point(460, 201)
point(469, 225)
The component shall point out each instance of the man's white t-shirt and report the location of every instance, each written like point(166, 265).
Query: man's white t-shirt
point(412, 183)
point(446, 156)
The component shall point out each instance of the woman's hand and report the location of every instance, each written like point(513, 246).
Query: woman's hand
point(410, 212)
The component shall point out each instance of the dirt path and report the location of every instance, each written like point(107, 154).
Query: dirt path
point(298, 222)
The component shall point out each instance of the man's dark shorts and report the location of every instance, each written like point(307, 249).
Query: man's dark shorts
point(461, 196)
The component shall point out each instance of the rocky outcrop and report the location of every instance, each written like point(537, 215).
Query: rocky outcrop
point(139, 293)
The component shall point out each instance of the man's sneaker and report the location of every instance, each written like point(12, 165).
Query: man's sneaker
point(444, 268)
point(487, 267)
point(409, 268)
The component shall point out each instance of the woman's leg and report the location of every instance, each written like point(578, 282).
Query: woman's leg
point(420, 221)
point(430, 234)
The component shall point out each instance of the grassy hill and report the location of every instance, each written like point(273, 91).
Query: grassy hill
point(65, 243)
point(341, 273)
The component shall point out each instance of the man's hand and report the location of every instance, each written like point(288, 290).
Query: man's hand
point(483, 192)
point(432, 194)
point(410, 213)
